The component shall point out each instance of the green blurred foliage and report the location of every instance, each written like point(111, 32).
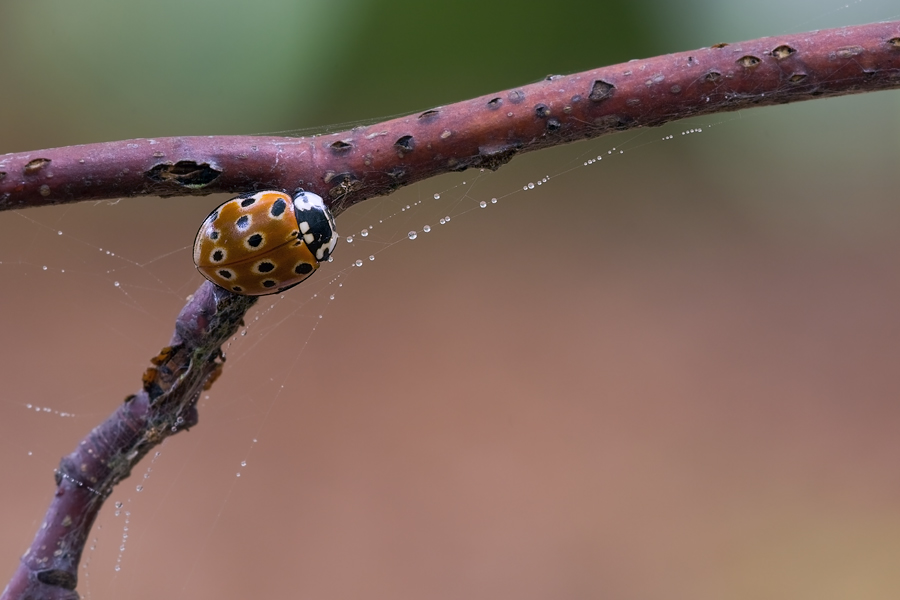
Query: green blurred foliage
point(410, 55)
point(101, 69)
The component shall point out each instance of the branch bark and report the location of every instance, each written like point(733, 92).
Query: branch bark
point(349, 167)
point(486, 132)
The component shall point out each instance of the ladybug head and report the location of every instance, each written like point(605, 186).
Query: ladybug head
point(316, 224)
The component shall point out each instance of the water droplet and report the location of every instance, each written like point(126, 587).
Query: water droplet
point(116, 283)
point(427, 228)
point(140, 488)
point(243, 463)
point(364, 233)
point(358, 263)
point(59, 233)
point(331, 297)
point(349, 239)
point(330, 259)
point(412, 235)
point(437, 196)
point(118, 568)
point(530, 186)
point(482, 204)
point(238, 474)
point(493, 201)
point(371, 257)
point(443, 221)
point(254, 440)
point(447, 219)
point(45, 267)
point(244, 332)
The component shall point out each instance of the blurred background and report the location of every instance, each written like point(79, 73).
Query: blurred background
point(692, 394)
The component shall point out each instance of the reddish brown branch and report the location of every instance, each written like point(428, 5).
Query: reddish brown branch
point(164, 406)
point(371, 161)
point(485, 132)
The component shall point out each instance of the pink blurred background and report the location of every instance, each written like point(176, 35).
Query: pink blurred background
point(671, 374)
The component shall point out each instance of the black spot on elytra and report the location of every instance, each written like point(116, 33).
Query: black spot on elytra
point(248, 202)
point(243, 222)
point(237, 288)
point(218, 255)
point(225, 273)
point(269, 283)
point(278, 208)
point(303, 269)
point(265, 267)
point(213, 235)
point(255, 240)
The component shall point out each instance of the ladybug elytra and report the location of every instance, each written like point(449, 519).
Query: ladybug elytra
point(264, 242)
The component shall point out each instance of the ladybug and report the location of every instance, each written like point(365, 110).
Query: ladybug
point(264, 242)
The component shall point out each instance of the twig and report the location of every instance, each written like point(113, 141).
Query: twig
point(366, 162)
point(486, 132)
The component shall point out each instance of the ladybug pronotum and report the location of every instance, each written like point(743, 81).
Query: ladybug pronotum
point(264, 242)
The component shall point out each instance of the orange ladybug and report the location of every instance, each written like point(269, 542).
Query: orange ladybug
point(265, 242)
